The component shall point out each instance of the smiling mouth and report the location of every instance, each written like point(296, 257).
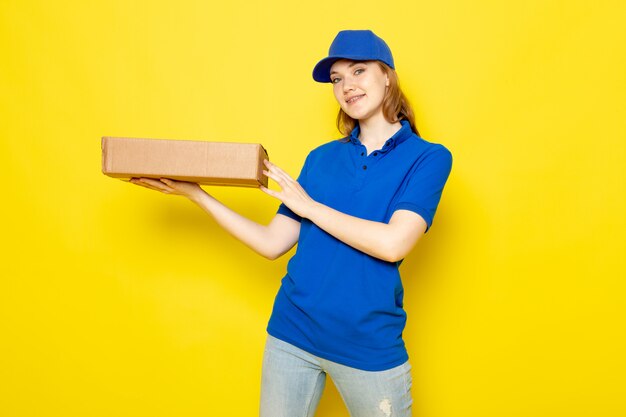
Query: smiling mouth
point(355, 98)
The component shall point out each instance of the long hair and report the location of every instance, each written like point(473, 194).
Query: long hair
point(395, 105)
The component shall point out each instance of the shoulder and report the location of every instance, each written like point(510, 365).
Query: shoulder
point(425, 157)
point(330, 146)
point(325, 150)
point(424, 150)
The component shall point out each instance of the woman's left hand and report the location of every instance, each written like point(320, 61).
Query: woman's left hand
point(291, 194)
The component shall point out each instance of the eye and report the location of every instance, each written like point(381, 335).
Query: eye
point(356, 72)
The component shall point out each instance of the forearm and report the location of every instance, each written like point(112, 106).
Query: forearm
point(390, 241)
point(374, 238)
point(252, 234)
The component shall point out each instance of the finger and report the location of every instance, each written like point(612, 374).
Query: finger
point(149, 187)
point(139, 183)
point(274, 168)
point(286, 184)
point(170, 183)
point(279, 170)
point(280, 174)
point(268, 191)
point(156, 185)
point(277, 178)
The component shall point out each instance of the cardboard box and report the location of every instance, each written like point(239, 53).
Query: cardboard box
point(208, 163)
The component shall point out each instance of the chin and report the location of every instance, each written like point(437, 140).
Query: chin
point(355, 115)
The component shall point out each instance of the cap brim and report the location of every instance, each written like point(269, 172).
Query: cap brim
point(321, 72)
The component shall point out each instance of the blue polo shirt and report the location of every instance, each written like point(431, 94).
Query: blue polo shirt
point(335, 301)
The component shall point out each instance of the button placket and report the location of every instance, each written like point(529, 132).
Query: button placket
point(364, 154)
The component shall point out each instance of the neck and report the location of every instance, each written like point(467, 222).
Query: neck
point(375, 131)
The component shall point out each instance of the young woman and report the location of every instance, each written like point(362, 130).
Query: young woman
point(356, 210)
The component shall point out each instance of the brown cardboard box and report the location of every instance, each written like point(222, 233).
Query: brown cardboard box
point(208, 163)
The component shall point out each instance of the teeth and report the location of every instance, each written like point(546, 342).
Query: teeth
point(353, 99)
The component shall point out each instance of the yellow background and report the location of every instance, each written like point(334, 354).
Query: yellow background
point(120, 301)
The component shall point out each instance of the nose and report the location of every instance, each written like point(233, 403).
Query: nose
point(348, 84)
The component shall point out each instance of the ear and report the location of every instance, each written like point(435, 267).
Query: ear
point(386, 80)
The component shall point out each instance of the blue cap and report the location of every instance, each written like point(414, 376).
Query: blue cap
point(357, 45)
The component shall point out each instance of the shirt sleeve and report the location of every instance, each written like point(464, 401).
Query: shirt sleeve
point(282, 208)
point(425, 185)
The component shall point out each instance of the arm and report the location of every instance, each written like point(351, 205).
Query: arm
point(387, 241)
point(270, 241)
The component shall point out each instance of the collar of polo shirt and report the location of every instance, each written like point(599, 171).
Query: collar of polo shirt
point(400, 136)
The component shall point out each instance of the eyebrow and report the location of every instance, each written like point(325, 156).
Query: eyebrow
point(350, 66)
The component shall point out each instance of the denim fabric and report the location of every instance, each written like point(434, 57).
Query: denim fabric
point(293, 381)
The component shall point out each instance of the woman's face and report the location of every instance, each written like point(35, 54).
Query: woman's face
point(359, 87)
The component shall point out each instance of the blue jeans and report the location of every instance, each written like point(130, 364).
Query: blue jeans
point(293, 380)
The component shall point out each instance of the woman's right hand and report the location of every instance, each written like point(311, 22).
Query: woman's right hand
point(187, 189)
